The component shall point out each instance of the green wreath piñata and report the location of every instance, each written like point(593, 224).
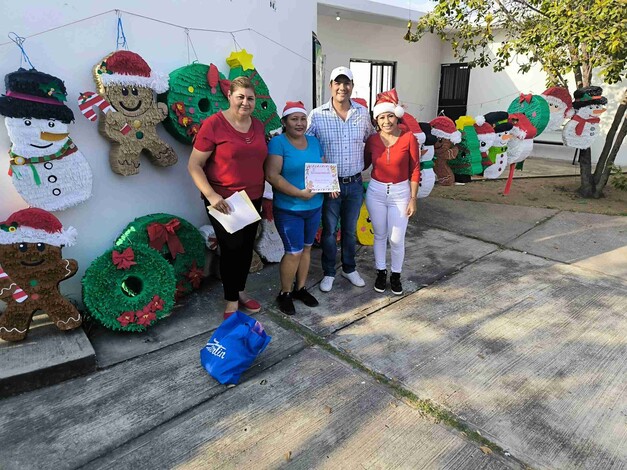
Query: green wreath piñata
point(178, 241)
point(129, 288)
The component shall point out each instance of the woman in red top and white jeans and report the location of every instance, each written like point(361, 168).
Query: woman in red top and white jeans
point(228, 156)
point(393, 188)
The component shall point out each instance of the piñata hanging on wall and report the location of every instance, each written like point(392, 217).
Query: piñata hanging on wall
point(583, 127)
point(560, 106)
point(46, 167)
point(31, 268)
point(196, 92)
point(241, 64)
point(126, 81)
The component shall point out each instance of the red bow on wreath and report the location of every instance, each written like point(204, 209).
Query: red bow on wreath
point(160, 234)
point(123, 259)
point(525, 98)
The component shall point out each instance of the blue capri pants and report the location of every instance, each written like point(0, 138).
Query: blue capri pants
point(297, 229)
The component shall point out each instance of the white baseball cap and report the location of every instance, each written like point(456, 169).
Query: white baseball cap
point(336, 72)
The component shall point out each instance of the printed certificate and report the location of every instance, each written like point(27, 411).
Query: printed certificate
point(321, 177)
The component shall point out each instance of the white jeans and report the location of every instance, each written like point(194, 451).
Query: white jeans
point(387, 206)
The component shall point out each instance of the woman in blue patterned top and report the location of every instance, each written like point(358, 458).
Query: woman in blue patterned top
point(296, 209)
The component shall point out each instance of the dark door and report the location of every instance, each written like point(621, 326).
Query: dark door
point(453, 96)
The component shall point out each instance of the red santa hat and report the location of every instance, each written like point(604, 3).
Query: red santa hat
point(361, 101)
point(523, 129)
point(127, 68)
point(410, 124)
point(387, 102)
point(35, 226)
point(444, 128)
point(560, 96)
point(292, 107)
point(482, 127)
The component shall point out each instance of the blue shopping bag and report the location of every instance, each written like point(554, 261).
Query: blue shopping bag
point(233, 348)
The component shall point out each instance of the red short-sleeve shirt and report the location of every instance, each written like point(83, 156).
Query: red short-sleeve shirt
point(237, 159)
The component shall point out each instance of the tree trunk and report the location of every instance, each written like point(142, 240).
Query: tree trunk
point(585, 165)
point(602, 164)
point(598, 191)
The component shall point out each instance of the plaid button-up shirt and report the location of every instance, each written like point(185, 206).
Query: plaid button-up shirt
point(343, 142)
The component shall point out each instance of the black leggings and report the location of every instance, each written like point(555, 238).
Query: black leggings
point(236, 254)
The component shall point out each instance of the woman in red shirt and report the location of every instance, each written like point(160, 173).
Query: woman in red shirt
point(228, 156)
point(393, 188)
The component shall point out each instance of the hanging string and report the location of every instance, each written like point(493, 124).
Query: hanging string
point(19, 42)
point(190, 44)
point(235, 44)
point(121, 37)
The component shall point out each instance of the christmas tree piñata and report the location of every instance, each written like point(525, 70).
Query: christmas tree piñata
point(468, 161)
point(265, 109)
point(196, 92)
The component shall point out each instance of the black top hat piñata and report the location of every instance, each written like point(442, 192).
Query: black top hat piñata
point(35, 95)
point(587, 96)
point(499, 120)
point(430, 139)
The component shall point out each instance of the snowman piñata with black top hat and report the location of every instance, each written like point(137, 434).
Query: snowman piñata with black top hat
point(46, 167)
point(583, 127)
point(497, 153)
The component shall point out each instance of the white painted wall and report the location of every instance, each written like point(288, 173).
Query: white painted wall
point(494, 91)
point(71, 52)
point(418, 64)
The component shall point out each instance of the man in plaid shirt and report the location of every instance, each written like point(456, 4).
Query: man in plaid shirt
point(342, 127)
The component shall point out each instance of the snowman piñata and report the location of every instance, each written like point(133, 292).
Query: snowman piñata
point(521, 145)
point(427, 175)
point(46, 167)
point(486, 137)
point(497, 153)
point(560, 105)
point(583, 127)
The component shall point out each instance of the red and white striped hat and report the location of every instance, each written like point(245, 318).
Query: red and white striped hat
point(35, 225)
point(292, 107)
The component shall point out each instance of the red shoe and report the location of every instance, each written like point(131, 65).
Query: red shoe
point(228, 314)
point(251, 305)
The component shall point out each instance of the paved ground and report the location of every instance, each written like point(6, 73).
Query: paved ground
point(508, 349)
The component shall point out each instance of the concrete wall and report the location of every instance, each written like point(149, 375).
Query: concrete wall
point(418, 64)
point(71, 52)
point(494, 91)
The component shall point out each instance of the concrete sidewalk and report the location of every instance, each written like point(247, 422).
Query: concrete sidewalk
point(512, 330)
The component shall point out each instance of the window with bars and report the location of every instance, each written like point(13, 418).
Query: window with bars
point(372, 77)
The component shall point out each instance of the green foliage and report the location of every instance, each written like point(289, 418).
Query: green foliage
point(619, 179)
point(561, 36)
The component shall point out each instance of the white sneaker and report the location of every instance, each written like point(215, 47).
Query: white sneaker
point(327, 283)
point(355, 278)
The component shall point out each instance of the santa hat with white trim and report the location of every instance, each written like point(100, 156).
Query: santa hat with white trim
point(444, 128)
point(387, 102)
point(292, 107)
point(560, 97)
point(523, 129)
point(35, 225)
point(126, 68)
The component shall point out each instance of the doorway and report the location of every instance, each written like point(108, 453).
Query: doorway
point(453, 96)
point(372, 77)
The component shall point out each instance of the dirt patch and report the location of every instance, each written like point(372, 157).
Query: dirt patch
point(551, 193)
